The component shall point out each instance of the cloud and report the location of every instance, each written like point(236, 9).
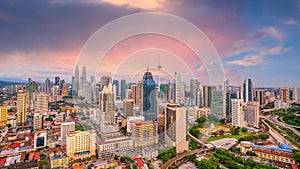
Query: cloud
point(140, 4)
point(273, 32)
point(291, 21)
point(258, 59)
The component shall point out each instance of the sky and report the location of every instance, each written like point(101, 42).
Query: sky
point(256, 39)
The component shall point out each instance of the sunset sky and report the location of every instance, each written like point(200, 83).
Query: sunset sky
point(257, 39)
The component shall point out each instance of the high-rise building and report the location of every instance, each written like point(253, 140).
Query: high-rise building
point(123, 89)
point(207, 92)
point(148, 93)
point(230, 95)
point(179, 89)
point(194, 91)
point(41, 102)
point(128, 107)
point(105, 81)
point(47, 86)
point(116, 83)
point(31, 88)
point(107, 104)
point(251, 113)
point(56, 82)
point(136, 94)
point(21, 107)
point(237, 112)
point(66, 127)
point(144, 133)
point(65, 89)
point(75, 82)
point(176, 127)
point(285, 95)
point(297, 93)
point(83, 78)
point(3, 113)
point(218, 106)
point(37, 121)
point(248, 90)
point(81, 144)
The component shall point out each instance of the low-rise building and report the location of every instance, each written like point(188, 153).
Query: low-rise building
point(121, 144)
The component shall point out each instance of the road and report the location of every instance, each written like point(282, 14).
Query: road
point(276, 135)
point(274, 119)
point(180, 156)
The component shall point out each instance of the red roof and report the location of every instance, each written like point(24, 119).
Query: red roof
point(2, 161)
point(36, 156)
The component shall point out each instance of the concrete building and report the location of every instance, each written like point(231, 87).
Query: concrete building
point(136, 94)
point(41, 102)
point(176, 127)
point(237, 112)
point(248, 90)
point(65, 89)
point(144, 133)
point(251, 113)
point(3, 113)
point(81, 144)
point(131, 120)
point(66, 127)
point(107, 104)
point(285, 95)
point(128, 107)
point(283, 153)
point(40, 139)
point(21, 107)
point(37, 121)
point(115, 145)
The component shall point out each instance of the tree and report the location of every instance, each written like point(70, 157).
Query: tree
point(244, 129)
point(263, 136)
point(236, 131)
point(222, 121)
point(43, 163)
point(201, 120)
point(215, 134)
point(195, 132)
point(296, 156)
point(221, 132)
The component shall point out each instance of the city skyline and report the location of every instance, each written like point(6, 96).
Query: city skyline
point(254, 39)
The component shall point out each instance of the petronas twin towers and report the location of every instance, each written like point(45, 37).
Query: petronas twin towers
point(76, 84)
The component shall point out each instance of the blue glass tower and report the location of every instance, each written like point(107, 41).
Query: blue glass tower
point(149, 104)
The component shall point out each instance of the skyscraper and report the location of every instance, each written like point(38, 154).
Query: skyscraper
point(123, 89)
point(65, 89)
point(128, 107)
point(248, 90)
point(21, 108)
point(136, 94)
point(56, 81)
point(107, 104)
point(251, 113)
point(75, 82)
point(218, 106)
point(41, 102)
point(237, 112)
point(176, 127)
point(83, 79)
point(47, 86)
point(148, 93)
point(285, 95)
point(194, 90)
point(116, 83)
point(104, 81)
point(179, 89)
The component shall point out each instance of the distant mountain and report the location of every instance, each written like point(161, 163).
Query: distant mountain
point(7, 83)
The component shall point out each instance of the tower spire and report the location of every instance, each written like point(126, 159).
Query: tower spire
point(159, 65)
